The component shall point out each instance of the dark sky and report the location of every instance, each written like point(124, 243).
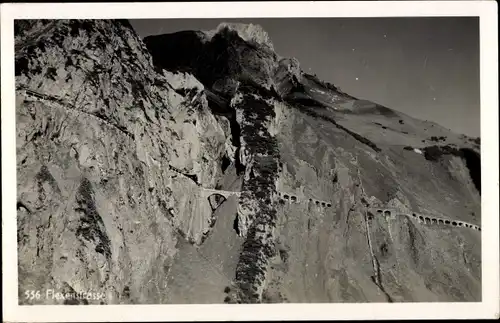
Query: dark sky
point(425, 67)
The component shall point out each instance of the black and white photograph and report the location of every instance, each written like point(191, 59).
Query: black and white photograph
point(231, 160)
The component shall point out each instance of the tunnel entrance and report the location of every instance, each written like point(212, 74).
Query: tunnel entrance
point(473, 163)
point(216, 200)
point(235, 225)
point(225, 163)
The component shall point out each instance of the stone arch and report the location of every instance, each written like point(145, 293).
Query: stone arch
point(414, 215)
point(215, 200)
point(478, 228)
point(434, 221)
point(329, 205)
point(310, 199)
point(379, 211)
point(440, 221)
point(460, 224)
point(323, 204)
point(454, 223)
point(317, 202)
point(294, 198)
point(286, 196)
point(421, 218)
point(447, 221)
point(387, 213)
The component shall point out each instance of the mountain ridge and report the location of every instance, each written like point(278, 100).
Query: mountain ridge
point(246, 179)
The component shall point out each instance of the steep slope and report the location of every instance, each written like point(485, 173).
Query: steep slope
point(113, 161)
point(349, 155)
point(202, 167)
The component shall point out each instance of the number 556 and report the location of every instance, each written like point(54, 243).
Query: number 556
point(32, 294)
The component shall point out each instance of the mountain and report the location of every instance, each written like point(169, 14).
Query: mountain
point(202, 167)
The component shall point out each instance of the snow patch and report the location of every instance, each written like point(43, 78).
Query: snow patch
point(182, 80)
point(237, 99)
point(274, 125)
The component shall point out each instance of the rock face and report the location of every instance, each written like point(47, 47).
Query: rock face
point(201, 167)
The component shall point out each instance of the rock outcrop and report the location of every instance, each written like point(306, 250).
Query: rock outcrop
point(202, 167)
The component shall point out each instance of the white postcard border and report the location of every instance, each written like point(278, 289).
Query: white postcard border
point(488, 308)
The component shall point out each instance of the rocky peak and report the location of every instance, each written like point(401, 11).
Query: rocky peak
point(250, 33)
point(218, 60)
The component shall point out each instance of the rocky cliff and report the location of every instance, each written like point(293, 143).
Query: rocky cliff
point(202, 167)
